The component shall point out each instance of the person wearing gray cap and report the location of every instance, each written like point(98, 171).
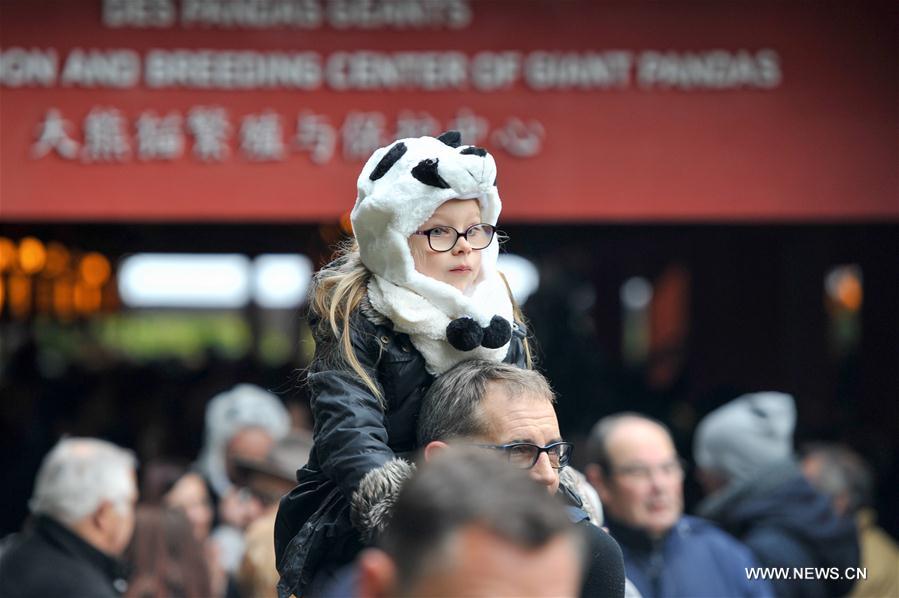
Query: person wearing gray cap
point(755, 490)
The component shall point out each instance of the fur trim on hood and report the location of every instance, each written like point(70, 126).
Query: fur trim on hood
point(372, 502)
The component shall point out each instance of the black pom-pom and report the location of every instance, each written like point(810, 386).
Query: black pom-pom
point(475, 150)
point(464, 334)
point(497, 334)
point(389, 159)
point(451, 138)
point(426, 172)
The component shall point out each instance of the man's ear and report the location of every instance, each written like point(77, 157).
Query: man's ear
point(377, 574)
point(433, 448)
point(101, 518)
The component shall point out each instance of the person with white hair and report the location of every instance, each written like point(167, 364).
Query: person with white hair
point(242, 423)
point(82, 520)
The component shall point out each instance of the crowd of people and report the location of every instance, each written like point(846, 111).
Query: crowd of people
point(436, 464)
point(460, 518)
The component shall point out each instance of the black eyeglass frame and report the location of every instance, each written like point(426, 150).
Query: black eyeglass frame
point(564, 459)
point(485, 225)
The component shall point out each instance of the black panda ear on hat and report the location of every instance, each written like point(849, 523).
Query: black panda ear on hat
point(390, 158)
point(451, 138)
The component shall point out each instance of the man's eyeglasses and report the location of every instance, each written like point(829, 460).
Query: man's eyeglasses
point(444, 238)
point(525, 455)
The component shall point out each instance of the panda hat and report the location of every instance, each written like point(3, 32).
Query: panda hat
point(400, 187)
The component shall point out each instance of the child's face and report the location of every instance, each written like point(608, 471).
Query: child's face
point(460, 265)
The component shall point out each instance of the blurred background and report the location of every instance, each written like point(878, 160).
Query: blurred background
point(701, 200)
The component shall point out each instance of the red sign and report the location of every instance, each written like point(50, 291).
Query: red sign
point(263, 110)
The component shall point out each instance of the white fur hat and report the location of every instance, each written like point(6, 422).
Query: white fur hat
point(399, 188)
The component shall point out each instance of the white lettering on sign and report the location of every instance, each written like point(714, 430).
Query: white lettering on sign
point(20, 67)
point(208, 69)
point(105, 136)
point(362, 133)
point(398, 14)
point(53, 134)
point(471, 127)
point(261, 137)
point(210, 128)
point(415, 124)
point(495, 70)
point(316, 136)
point(573, 70)
point(251, 14)
point(138, 13)
point(159, 138)
point(714, 69)
point(101, 68)
point(366, 70)
point(521, 139)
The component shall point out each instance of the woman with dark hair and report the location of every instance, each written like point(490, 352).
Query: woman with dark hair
point(172, 484)
point(166, 558)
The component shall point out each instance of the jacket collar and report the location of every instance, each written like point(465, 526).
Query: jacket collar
point(634, 538)
point(69, 542)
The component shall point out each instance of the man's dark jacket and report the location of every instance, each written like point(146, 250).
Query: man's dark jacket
point(694, 559)
point(50, 560)
point(787, 524)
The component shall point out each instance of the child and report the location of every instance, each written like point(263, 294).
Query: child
point(414, 294)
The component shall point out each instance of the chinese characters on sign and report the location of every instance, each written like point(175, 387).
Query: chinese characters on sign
point(213, 135)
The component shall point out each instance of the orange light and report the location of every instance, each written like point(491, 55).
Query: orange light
point(87, 298)
point(57, 259)
point(19, 295)
point(32, 255)
point(2, 294)
point(7, 254)
point(849, 292)
point(62, 298)
point(94, 269)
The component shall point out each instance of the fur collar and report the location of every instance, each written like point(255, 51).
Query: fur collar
point(426, 323)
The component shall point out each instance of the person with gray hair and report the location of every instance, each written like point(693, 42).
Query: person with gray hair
point(468, 524)
point(755, 490)
point(843, 475)
point(83, 518)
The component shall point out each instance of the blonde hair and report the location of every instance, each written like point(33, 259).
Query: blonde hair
point(338, 290)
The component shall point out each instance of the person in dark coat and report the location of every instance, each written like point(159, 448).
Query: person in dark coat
point(416, 292)
point(634, 466)
point(498, 408)
point(757, 492)
point(83, 517)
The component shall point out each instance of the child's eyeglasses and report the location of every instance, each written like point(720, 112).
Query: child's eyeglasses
point(444, 238)
point(525, 454)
